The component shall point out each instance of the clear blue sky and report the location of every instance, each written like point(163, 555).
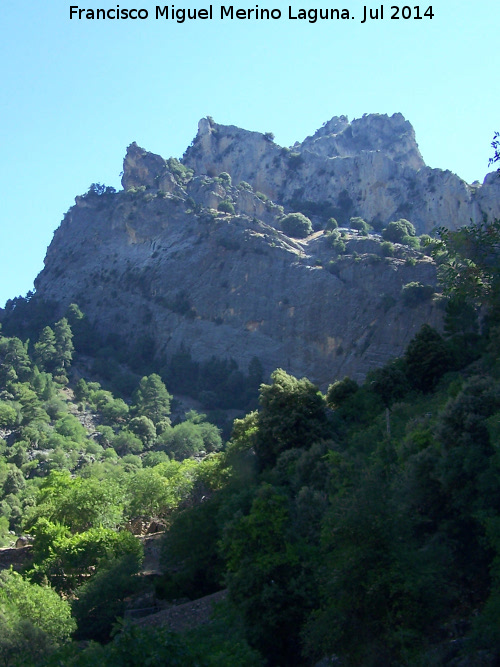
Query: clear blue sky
point(74, 94)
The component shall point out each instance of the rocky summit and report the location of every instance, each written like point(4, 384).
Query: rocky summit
point(193, 254)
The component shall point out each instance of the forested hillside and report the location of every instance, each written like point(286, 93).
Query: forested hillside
point(359, 526)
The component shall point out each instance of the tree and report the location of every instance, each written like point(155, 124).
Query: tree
point(183, 441)
point(469, 264)
point(127, 442)
point(340, 391)
point(389, 382)
point(34, 620)
point(495, 144)
point(415, 293)
point(266, 576)
point(64, 345)
point(152, 398)
point(8, 415)
point(297, 225)
point(15, 359)
point(292, 415)
point(144, 429)
point(398, 231)
point(45, 350)
point(102, 599)
point(79, 503)
point(150, 494)
point(427, 358)
point(226, 206)
point(360, 225)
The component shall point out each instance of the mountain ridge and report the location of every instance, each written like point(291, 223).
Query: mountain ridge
point(191, 255)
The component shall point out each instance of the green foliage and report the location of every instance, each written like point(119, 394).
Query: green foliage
point(79, 503)
point(127, 443)
point(181, 173)
point(144, 429)
point(190, 553)
point(360, 225)
point(152, 399)
point(469, 266)
point(156, 492)
point(64, 345)
point(399, 231)
point(72, 559)
point(217, 383)
point(226, 206)
point(415, 293)
point(34, 620)
point(8, 415)
point(45, 350)
point(102, 600)
point(265, 577)
point(292, 415)
point(389, 382)
point(340, 391)
point(225, 178)
point(182, 441)
point(15, 364)
point(296, 225)
point(335, 241)
point(387, 249)
point(54, 349)
point(331, 224)
point(134, 646)
point(427, 359)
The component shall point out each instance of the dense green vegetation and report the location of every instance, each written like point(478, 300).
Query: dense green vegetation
point(297, 225)
point(360, 526)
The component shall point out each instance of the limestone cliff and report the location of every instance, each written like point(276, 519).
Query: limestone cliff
point(159, 259)
point(370, 168)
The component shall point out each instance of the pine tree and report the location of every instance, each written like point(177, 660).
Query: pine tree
point(152, 398)
point(63, 345)
point(45, 351)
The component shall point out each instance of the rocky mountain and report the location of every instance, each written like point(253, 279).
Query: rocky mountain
point(371, 168)
point(192, 256)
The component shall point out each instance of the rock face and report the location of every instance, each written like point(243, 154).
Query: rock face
point(158, 259)
point(370, 168)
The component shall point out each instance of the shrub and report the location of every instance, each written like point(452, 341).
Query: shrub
point(225, 178)
point(415, 292)
point(387, 249)
point(360, 225)
point(331, 224)
point(8, 415)
point(225, 206)
point(336, 243)
point(398, 230)
point(412, 241)
point(297, 225)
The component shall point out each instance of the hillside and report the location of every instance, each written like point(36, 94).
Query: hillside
point(353, 526)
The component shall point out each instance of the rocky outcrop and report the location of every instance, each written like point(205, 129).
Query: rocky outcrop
point(370, 168)
point(144, 264)
point(160, 261)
